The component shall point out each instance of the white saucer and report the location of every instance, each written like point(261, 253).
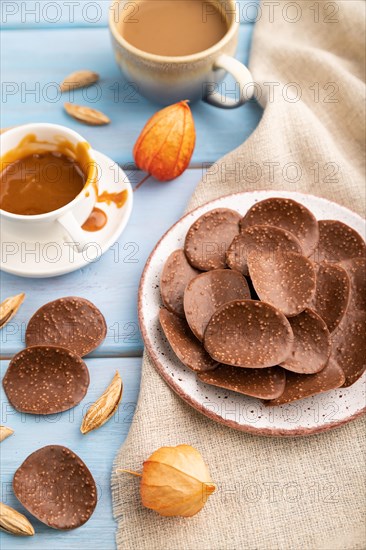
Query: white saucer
point(55, 255)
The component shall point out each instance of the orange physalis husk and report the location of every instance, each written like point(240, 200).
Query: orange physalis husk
point(176, 481)
point(165, 145)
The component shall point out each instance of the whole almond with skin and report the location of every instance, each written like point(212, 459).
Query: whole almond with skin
point(9, 307)
point(5, 432)
point(79, 79)
point(166, 143)
point(86, 114)
point(14, 523)
point(105, 407)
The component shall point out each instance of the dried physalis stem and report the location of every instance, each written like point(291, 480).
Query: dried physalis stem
point(5, 432)
point(14, 523)
point(79, 79)
point(9, 307)
point(105, 407)
point(175, 481)
point(131, 472)
point(86, 114)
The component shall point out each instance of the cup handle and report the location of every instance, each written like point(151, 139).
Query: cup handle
point(243, 78)
point(78, 235)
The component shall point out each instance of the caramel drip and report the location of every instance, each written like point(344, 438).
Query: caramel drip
point(118, 199)
point(96, 221)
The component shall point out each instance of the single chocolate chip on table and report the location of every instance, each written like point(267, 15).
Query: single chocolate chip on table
point(299, 386)
point(256, 237)
point(262, 383)
point(56, 486)
point(209, 237)
point(312, 345)
point(73, 323)
point(45, 380)
point(285, 281)
point(332, 294)
point(338, 242)
point(185, 345)
point(248, 333)
point(286, 214)
point(207, 292)
point(176, 274)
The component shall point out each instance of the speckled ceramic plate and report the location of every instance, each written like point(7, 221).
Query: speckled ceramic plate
point(307, 416)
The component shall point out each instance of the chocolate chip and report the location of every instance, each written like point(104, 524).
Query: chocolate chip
point(338, 242)
point(348, 339)
point(45, 380)
point(56, 486)
point(312, 345)
point(184, 344)
point(254, 239)
point(299, 386)
point(209, 237)
point(356, 270)
point(73, 323)
point(207, 292)
point(175, 276)
point(286, 214)
point(287, 281)
point(332, 294)
point(262, 383)
point(248, 333)
point(349, 345)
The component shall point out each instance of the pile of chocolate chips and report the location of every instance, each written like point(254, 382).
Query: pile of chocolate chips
point(47, 377)
point(270, 305)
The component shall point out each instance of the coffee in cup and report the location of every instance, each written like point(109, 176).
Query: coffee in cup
point(174, 27)
point(173, 50)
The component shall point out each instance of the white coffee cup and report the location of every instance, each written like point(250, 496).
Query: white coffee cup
point(71, 216)
point(167, 79)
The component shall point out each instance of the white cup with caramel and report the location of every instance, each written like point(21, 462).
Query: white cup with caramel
point(47, 176)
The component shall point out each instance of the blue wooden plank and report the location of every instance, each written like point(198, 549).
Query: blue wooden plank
point(97, 449)
point(30, 94)
point(111, 282)
point(39, 14)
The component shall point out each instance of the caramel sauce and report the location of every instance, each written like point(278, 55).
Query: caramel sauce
point(37, 177)
point(98, 217)
point(96, 220)
point(40, 183)
point(118, 199)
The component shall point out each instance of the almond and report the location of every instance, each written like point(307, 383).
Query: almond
point(86, 114)
point(79, 79)
point(105, 407)
point(9, 307)
point(14, 523)
point(5, 432)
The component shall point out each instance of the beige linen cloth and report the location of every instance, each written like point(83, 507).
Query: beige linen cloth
point(273, 493)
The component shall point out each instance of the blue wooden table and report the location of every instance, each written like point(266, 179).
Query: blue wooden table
point(40, 45)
